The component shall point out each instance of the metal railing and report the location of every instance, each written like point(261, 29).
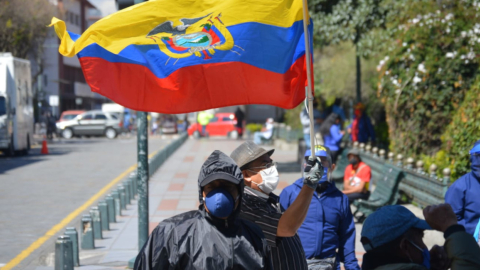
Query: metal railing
point(67, 246)
point(282, 131)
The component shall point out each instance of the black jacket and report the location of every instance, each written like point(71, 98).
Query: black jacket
point(197, 240)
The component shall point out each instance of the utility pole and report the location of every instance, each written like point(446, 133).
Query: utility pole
point(142, 163)
point(142, 178)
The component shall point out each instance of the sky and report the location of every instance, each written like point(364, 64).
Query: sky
point(106, 6)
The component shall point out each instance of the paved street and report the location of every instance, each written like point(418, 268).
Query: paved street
point(38, 191)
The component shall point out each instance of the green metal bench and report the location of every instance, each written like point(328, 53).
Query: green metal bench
point(385, 193)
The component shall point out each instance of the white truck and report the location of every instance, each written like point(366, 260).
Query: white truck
point(16, 105)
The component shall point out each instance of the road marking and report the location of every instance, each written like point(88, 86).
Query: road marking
point(55, 229)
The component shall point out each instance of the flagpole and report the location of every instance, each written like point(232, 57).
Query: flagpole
point(309, 76)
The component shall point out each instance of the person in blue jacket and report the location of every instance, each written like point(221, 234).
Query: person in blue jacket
point(332, 134)
point(362, 128)
point(329, 224)
point(464, 195)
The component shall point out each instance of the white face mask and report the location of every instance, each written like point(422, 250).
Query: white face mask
point(270, 180)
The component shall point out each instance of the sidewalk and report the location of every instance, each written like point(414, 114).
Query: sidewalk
point(173, 189)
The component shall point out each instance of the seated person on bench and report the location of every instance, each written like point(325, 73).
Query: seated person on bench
point(357, 177)
point(266, 132)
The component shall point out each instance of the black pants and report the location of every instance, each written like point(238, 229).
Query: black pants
point(334, 155)
point(355, 196)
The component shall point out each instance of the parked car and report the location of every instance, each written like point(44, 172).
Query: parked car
point(223, 124)
point(69, 115)
point(168, 124)
point(91, 123)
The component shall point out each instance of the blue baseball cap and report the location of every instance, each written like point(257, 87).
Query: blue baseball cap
point(388, 223)
point(320, 151)
point(476, 148)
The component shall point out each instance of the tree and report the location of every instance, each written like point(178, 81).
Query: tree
point(23, 29)
point(348, 20)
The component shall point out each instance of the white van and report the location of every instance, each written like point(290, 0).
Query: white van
point(16, 104)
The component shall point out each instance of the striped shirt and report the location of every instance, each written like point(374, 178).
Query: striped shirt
point(265, 211)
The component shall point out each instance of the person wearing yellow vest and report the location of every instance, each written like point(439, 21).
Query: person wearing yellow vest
point(203, 119)
point(356, 179)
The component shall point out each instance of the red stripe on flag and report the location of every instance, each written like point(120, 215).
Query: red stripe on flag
point(195, 88)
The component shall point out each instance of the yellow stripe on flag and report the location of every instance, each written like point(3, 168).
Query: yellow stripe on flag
point(132, 25)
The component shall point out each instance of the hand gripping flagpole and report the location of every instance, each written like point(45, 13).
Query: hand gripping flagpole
point(309, 76)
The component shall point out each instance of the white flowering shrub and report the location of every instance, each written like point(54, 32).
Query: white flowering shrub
point(432, 60)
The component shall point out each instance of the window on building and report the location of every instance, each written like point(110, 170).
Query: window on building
point(45, 80)
point(3, 106)
point(77, 20)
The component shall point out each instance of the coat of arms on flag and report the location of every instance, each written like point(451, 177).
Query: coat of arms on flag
point(198, 36)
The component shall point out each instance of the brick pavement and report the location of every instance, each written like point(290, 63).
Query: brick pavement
point(173, 190)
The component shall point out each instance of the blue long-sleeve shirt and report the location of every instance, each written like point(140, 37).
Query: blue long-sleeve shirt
point(333, 140)
point(365, 129)
point(328, 225)
point(464, 197)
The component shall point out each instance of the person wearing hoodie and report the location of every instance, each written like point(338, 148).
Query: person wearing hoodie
point(212, 237)
point(261, 205)
point(464, 195)
point(329, 224)
point(362, 128)
point(332, 134)
point(393, 240)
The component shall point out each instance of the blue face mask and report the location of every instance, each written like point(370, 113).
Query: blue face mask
point(425, 255)
point(219, 203)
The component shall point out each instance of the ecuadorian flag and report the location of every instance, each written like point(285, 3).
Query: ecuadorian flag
point(177, 56)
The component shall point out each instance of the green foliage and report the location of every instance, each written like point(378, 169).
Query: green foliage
point(346, 20)
point(463, 131)
point(252, 127)
point(441, 159)
point(432, 62)
point(381, 133)
point(23, 26)
point(335, 73)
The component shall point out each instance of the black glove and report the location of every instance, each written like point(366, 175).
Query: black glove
point(313, 172)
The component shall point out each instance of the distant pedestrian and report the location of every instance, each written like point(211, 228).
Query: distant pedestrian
point(356, 179)
point(265, 134)
point(464, 195)
point(212, 237)
point(127, 120)
point(362, 128)
point(203, 119)
point(240, 116)
point(328, 232)
point(186, 123)
point(337, 109)
point(393, 239)
point(51, 125)
point(332, 134)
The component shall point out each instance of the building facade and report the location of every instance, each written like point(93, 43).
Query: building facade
point(62, 86)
